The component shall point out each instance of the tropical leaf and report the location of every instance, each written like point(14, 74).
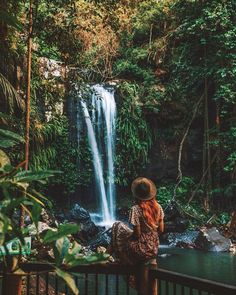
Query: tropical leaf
point(9, 94)
point(7, 143)
point(11, 135)
point(63, 230)
point(28, 176)
point(10, 20)
point(62, 245)
point(35, 213)
point(68, 279)
point(35, 199)
point(90, 259)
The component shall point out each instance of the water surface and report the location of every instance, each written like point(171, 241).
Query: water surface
point(220, 267)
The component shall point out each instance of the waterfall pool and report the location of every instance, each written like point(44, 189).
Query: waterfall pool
point(215, 266)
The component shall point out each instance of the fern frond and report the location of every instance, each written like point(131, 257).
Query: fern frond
point(9, 95)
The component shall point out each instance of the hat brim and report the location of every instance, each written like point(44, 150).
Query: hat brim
point(153, 189)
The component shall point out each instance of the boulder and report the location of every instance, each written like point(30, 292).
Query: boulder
point(102, 239)
point(76, 214)
point(88, 230)
point(210, 239)
point(182, 240)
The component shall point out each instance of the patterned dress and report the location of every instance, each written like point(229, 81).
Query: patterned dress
point(131, 250)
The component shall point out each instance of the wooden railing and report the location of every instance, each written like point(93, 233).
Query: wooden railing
point(108, 279)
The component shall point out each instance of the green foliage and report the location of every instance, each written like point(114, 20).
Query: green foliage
point(66, 160)
point(133, 132)
point(9, 139)
point(166, 54)
point(10, 20)
point(63, 230)
point(10, 98)
point(165, 194)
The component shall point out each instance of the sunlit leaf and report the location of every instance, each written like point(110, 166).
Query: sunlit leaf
point(68, 279)
point(63, 230)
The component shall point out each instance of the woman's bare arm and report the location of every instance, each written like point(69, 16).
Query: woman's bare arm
point(137, 231)
point(161, 226)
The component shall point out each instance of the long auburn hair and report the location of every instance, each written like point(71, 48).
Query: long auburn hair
point(151, 211)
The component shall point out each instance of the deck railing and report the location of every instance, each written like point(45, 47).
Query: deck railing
point(108, 279)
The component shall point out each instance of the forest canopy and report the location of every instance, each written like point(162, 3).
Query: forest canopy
point(174, 64)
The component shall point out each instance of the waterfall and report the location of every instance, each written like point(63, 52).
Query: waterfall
point(100, 124)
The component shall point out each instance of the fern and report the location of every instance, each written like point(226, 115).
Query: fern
point(9, 95)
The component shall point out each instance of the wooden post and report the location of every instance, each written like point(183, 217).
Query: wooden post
point(142, 279)
point(12, 284)
point(153, 285)
point(146, 284)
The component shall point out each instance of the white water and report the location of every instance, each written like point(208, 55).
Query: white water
point(101, 137)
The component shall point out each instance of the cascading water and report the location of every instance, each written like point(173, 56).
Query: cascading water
point(101, 137)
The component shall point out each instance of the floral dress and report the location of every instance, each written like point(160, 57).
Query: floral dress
point(131, 250)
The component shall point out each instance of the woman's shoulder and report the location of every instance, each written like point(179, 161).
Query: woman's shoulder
point(136, 207)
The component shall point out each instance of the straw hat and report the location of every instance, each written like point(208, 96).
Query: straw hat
point(143, 189)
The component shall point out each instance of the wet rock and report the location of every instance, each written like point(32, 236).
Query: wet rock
point(210, 239)
point(75, 214)
point(78, 213)
point(182, 240)
point(164, 255)
point(103, 239)
point(185, 245)
point(88, 230)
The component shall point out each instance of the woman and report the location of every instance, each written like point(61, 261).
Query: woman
point(139, 245)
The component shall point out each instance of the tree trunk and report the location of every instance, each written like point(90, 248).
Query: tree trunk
point(27, 120)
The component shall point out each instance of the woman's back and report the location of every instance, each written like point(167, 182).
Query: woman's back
point(137, 218)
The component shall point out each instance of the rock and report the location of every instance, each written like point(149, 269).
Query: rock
point(164, 255)
point(78, 213)
point(42, 226)
point(103, 239)
point(185, 245)
point(48, 218)
point(182, 240)
point(209, 239)
point(88, 230)
point(101, 249)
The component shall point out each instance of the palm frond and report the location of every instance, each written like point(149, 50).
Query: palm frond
point(9, 138)
point(10, 96)
point(11, 20)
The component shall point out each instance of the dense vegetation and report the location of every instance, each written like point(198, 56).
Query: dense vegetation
point(174, 63)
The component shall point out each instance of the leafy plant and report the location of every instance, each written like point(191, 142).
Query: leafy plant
point(15, 194)
point(134, 136)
